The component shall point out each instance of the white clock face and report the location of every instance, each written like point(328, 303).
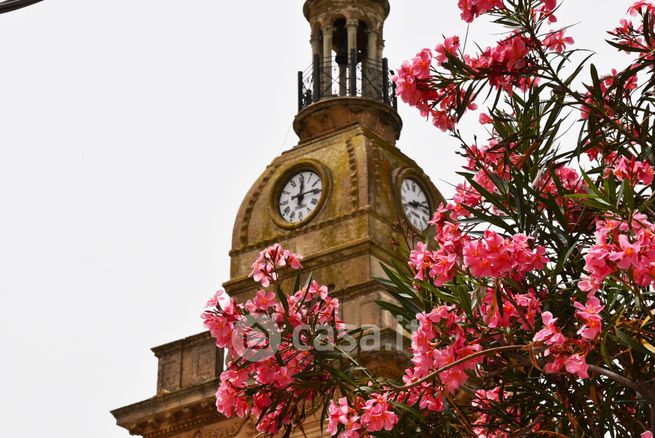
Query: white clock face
point(415, 204)
point(300, 196)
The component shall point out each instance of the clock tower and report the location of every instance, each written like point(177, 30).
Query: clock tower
point(334, 198)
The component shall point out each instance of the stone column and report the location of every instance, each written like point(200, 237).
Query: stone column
point(315, 41)
point(352, 24)
point(372, 66)
point(328, 31)
point(343, 79)
point(373, 45)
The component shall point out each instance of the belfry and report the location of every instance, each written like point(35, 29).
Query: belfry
point(335, 198)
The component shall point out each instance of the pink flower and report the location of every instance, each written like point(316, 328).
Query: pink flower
point(628, 255)
point(576, 364)
point(262, 302)
point(555, 366)
point(486, 257)
point(219, 326)
point(557, 41)
point(443, 268)
point(449, 47)
point(420, 260)
point(377, 414)
point(230, 397)
point(421, 64)
point(474, 8)
point(637, 7)
point(292, 259)
point(633, 171)
point(647, 434)
point(550, 334)
point(485, 119)
point(216, 299)
point(345, 415)
point(589, 284)
point(590, 313)
point(264, 269)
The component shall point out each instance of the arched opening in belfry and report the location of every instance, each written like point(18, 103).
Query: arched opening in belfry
point(350, 47)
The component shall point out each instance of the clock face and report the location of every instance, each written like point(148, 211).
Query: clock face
point(300, 196)
point(415, 204)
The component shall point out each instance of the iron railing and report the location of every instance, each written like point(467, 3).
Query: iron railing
point(325, 78)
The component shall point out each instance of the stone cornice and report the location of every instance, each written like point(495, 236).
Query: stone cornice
point(331, 115)
point(300, 231)
point(162, 414)
point(188, 341)
point(166, 400)
point(342, 252)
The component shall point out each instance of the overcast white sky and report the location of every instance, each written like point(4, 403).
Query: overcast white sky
point(130, 131)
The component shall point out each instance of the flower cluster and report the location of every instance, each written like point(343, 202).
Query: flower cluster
point(372, 415)
point(427, 358)
point(507, 65)
point(623, 249)
point(264, 269)
point(471, 9)
point(561, 351)
point(632, 171)
point(345, 417)
point(488, 256)
point(262, 335)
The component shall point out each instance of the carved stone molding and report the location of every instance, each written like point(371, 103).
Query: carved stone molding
point(252, 199)
point(332, 114)
point(354, 179)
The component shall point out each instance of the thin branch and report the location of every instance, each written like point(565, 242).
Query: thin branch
point(459, 362)
point(645, 392)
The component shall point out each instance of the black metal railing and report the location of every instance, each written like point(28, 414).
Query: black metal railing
point(326, 78)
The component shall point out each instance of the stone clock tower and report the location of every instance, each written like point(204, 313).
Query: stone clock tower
point(334, 198)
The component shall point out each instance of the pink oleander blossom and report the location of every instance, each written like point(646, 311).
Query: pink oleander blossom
point(576, 364)
point(448, 48)
point(341, 413)
point(556, 41)
point(472, 9)
point(550, 334)
point(377, 414)
point(590, 314)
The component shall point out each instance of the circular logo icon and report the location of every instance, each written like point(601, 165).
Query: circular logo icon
point(256, 337)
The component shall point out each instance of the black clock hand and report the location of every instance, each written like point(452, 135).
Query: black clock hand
point(305, 193)
point(417, 204)
point(300, 194)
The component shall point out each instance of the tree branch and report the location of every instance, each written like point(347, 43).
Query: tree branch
point(645, 392)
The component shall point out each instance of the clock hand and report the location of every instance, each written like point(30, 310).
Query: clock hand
point(305, 193)
point(301, 195)
point(416, 204)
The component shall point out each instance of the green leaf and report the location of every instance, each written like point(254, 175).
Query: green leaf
point(282, 298)
point(631, 343)
point(494, 220)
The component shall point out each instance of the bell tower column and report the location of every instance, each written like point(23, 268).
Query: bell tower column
point(328, 31)
point(315, 42)
point(352, 25)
